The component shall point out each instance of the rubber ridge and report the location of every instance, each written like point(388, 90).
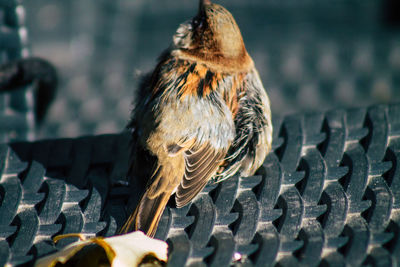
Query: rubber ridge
point(328, 195)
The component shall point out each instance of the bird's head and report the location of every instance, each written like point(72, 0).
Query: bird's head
point(212, 37)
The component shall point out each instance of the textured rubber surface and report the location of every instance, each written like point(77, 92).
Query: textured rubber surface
point(328, 195)
point(16, 108)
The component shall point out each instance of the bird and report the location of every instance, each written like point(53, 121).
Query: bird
point(201, 116)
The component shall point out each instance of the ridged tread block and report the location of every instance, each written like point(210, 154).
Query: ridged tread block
point(328, 195)
point(54, 187)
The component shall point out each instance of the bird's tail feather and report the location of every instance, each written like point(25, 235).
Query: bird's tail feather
point(147, 215)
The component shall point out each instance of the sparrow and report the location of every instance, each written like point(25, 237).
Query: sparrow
point(201, 116)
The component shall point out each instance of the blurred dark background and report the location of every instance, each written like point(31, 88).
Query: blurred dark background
point(311, 55)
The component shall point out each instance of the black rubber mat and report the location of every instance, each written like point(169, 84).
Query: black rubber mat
point(329, 194)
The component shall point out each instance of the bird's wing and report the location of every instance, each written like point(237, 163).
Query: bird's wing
point(192, 129)
point(201, 163)
point(253, 130)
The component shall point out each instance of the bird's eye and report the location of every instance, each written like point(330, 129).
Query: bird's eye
point(197, 23)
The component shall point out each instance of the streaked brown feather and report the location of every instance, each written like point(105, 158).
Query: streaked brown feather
point(196, 160)
point(201, 165)
point(147, 214)
point(171, 167)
